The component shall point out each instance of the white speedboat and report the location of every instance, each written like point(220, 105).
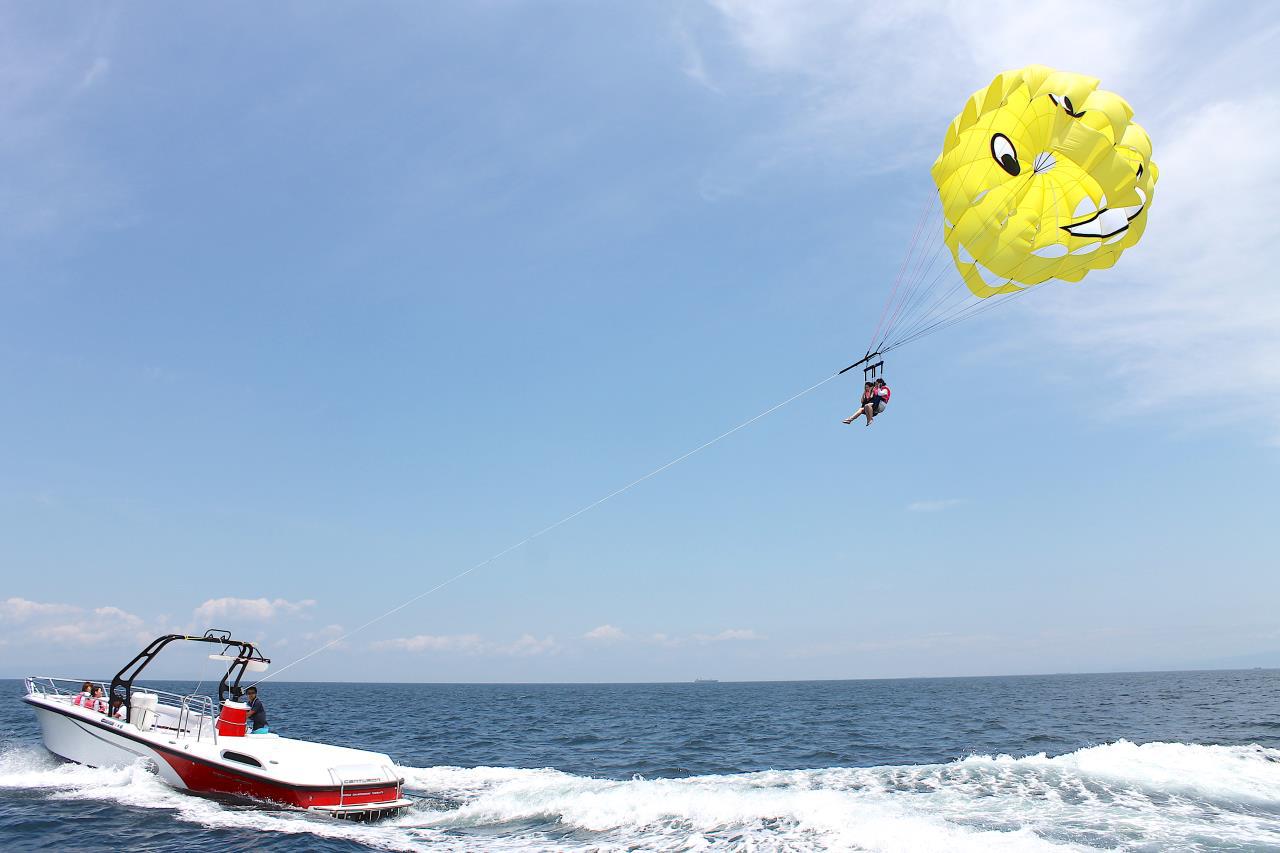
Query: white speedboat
point(198, 745)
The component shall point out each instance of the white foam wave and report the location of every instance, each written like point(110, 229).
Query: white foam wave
point(1119, 795)
point(1233, 773)
point(1115, 795)
point(706, 812)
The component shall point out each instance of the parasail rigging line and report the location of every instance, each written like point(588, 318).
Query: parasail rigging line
point(924, 212)
point(570, 517)
point(934, 320)
point(939, 300)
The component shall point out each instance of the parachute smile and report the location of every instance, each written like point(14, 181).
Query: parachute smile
point(1107, 222)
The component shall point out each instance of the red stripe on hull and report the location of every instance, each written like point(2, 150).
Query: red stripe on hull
point(203, 778)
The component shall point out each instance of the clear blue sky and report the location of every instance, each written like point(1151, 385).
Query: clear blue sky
point(305, 308)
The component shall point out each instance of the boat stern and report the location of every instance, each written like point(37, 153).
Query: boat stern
point(363, 792)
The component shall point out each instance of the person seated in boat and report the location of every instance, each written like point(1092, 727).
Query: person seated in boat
point(85, 696)
point(257, 713)
point(98, 704)
point(117, 709)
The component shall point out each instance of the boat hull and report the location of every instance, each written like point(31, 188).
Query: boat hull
point(77, 739)
point(96, 740)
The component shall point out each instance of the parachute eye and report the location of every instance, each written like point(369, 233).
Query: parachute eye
point(1003, 152)
point(1139, 170)
point(1065, 103)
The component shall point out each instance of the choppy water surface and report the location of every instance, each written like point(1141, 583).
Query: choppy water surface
point(1150, 761)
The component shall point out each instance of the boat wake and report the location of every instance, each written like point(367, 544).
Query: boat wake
point(1118, 795)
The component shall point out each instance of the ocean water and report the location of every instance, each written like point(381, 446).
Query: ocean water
point(1145, 761)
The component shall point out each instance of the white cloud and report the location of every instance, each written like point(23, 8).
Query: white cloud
point(71, 625)
point(934, 505)
point(605, 633)
point(22, 610)
point(254, 609)
point(118, 616)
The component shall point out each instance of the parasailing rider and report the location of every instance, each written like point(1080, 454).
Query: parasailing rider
point(883, 393)
point(868, 397)
point(875, 396)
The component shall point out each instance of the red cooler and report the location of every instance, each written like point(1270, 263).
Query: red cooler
point(233, 719)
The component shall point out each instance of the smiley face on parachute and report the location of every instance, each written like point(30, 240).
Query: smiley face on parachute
point(1042, 176)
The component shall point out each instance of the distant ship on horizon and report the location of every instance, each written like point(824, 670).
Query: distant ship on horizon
point(706, 681)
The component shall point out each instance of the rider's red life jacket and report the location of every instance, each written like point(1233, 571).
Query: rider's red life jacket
point(884, 393)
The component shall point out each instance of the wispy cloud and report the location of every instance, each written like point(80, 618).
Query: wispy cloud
point(56, 184)
point(466, 643)
point(1199, 330)
point(871, 86)
point(252, 609)
point(325, 635)
point(729, 635)
point(527, 645)
point(605, 633)
point(96, 71)
point(933, 505)
point(694, 65)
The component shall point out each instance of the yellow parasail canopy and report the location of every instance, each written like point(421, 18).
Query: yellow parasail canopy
point(1042, 176)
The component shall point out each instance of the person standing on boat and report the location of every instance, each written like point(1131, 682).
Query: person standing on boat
point(257, 713)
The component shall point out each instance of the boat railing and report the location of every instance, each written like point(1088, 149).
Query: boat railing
point(201, 708)
point(359, 774)
point(189, 715)
point(47, 685)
